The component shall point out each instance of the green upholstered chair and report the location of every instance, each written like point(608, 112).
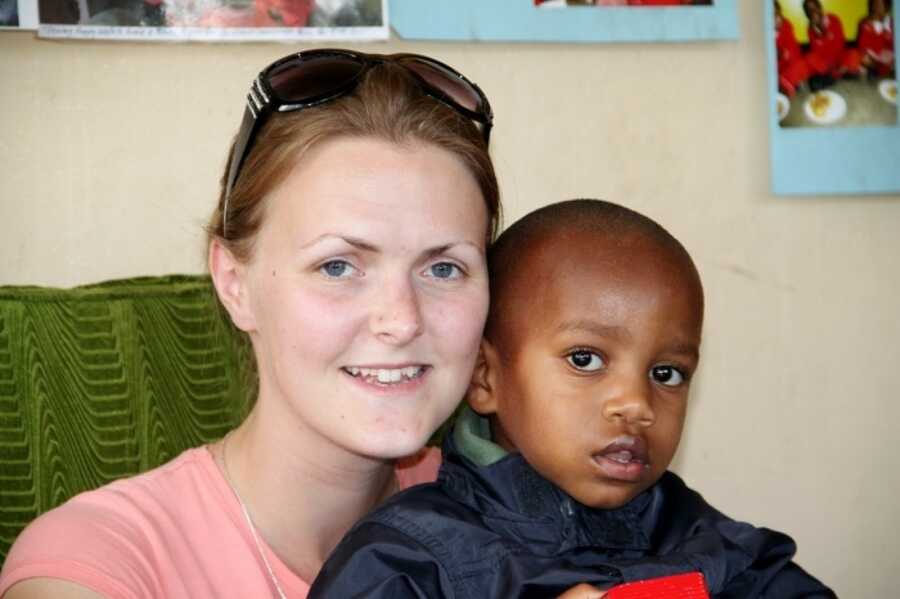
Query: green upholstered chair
point(108, 380)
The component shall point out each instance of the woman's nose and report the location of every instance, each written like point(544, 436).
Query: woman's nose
point(396, 315)
point(630, 404)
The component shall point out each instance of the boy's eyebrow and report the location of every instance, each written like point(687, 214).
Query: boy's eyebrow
point(591, 326)
point(686, 349)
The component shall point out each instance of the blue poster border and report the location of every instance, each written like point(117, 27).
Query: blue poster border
point(832, 161)
point(520, 20)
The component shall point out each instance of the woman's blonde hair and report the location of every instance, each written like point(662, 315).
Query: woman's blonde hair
point(389, 105)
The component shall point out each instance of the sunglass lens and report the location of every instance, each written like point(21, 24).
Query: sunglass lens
point(456, 88)
point(313, 78)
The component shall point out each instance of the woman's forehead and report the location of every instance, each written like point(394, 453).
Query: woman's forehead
point(374, 191)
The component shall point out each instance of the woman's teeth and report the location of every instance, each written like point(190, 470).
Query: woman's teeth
point(386, 376)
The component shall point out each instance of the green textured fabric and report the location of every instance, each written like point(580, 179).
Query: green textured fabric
point(109, 380)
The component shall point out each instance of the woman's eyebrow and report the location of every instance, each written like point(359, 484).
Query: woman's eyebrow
point(370, 247)
point(437, 251)
point(354, 241)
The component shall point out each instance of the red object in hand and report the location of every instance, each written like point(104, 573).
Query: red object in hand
point(681, 586)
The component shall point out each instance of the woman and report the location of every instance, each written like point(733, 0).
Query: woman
point(348, 243)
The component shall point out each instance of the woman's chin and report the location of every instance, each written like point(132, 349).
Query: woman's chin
point(393, 445)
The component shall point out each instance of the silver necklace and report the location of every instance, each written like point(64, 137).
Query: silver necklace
point(249, 520)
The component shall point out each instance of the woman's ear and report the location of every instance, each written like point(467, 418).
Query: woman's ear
point(482, 394)
point(229, 278)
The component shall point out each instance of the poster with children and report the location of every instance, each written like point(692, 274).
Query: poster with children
point(215, 20)
point(565, 20)
point(833, 85)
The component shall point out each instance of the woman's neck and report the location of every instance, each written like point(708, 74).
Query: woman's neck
point(302, 491)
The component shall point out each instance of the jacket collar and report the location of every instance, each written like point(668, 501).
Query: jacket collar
point(517, 501)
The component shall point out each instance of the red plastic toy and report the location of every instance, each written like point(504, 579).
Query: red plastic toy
point(681, 586)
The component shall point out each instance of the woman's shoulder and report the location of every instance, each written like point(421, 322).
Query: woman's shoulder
point(126, 519)
point(133, 502)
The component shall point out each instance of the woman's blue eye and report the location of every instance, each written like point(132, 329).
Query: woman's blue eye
point(336, 269)
point(584, 360)
point(667, 375)
point(444, 270)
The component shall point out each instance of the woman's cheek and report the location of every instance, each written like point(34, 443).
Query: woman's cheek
point(461, 320)
point(317, 319)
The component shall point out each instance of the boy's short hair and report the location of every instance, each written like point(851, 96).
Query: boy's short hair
point(508, 256)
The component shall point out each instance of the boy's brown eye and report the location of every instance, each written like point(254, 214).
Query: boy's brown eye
point(667, 375)
point(585, 360)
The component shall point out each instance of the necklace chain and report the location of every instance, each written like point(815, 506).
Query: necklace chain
point(249, 520)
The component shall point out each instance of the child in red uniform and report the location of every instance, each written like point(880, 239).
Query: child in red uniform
point(283, 13)
point(641, 2)
point(264, 13)
point(828, 56)
point(792, 67)
point(659, 2)
point(666, 2)
point(875, 40)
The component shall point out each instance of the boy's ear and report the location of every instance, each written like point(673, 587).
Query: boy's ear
point(229, 278)
point(482, 395)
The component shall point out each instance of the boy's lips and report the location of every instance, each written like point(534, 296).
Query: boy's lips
point(624, 459)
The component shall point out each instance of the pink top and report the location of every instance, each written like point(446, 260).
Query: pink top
point(175, 531)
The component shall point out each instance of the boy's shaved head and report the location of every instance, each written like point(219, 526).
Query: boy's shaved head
point(591, 343)
point(513, 269)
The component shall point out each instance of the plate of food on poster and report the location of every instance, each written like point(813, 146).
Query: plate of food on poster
point(825, 107)
point(888, 90)
point(782, 106)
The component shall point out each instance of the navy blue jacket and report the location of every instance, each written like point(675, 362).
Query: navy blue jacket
point(503, 531)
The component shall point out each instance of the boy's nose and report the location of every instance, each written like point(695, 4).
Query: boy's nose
point(396, 316)
point(631, 405)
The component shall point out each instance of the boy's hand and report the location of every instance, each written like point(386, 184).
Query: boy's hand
point(583, 591)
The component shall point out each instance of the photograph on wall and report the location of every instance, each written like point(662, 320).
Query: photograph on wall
point(9, 13)
point(836, 63)
point(214, 20)
point(18, 14)
point(566, 20)
point(562, 3)
point(833, 96)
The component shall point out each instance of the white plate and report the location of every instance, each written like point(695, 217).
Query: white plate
point(833, 109)
point(782, 106)
point(888, 90)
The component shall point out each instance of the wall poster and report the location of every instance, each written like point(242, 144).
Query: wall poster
point(834, 125)
point(215, 20)
point(565, 20)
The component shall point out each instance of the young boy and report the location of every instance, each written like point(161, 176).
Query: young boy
point(556, 473)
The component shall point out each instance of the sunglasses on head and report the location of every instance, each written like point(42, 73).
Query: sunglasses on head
point(314, 77)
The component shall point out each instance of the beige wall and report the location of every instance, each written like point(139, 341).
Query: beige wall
point(111, 153)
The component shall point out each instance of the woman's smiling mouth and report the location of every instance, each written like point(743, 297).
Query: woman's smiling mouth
point(386, 376)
